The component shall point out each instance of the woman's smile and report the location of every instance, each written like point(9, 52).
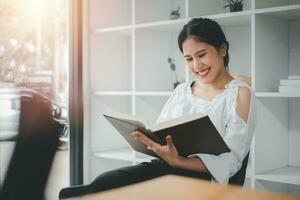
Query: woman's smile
point(204, 72)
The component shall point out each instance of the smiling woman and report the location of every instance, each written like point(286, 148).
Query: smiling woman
point(229, 103)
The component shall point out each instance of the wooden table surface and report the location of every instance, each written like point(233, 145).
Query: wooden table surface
point(177, 187)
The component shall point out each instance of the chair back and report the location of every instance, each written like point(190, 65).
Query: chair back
point(34, 151)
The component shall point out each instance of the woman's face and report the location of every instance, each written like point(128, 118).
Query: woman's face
point(203, 60)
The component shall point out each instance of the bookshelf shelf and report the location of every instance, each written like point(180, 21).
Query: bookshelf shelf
point(128, 93)
point(277, 94)
point(126, 70)
point(156, 93)
point(124, 154)
point(289, 175)
point(125, 30)
point(168, 25)
point(232, 19)
point(113, 93)
point(276, 5)
point(285, 12)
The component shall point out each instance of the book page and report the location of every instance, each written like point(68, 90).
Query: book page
point(135, 119)
point(175, 121)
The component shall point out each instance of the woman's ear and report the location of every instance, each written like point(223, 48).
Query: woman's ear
point(223, 49)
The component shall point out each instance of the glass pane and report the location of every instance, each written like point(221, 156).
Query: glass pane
point(34, 55)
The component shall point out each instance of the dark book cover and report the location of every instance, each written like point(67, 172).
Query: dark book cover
point(190, 137)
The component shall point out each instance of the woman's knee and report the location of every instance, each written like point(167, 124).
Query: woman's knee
point(127, 175)
point(111, 179)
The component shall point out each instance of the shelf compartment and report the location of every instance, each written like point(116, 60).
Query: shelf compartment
point(149, 107)
point(289, 175)
point(103, 134)
point(157, 10)
point(238, 34)
point(124, 154)
point(111, 62)
point(110, 13)
point(277, 133)
point(279, 4)
point(276, 37)
point(277, 187)
point(153, 72)
point(203, 7)
point(272, 124)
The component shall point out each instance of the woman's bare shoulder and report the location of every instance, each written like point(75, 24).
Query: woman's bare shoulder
point(243, 102)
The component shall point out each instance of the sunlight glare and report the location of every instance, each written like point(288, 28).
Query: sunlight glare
point(36, 8)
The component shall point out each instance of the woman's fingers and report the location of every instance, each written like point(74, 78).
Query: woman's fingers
point(136, 134)
point(169, 141)
point(171, 146)
point(144, 139)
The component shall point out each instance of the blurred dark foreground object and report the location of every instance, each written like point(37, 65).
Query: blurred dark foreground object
point(36, 144)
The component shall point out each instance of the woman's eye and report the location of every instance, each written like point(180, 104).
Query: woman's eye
point(201, 55)
point(188, 59)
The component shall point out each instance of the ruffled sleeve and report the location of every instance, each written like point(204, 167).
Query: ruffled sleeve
point(238, 136)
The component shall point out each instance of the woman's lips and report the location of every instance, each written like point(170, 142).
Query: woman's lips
point(203, 73)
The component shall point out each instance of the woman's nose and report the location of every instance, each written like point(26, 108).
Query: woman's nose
point(196, 64)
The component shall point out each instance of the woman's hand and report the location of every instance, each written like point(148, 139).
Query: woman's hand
point(167, 152)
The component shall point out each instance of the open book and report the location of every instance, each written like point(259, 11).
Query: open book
point(191, 133)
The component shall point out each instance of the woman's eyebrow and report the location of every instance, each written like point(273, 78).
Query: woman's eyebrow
point(200, 51)
point(197, 52)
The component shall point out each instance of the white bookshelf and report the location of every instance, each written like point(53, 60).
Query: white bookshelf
point(277, 94)
point(127, 44)
point(289, 175)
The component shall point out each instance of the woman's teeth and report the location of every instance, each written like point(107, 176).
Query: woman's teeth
point(204, 72)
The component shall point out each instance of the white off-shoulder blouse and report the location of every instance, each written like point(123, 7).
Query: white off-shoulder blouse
point(236, 133)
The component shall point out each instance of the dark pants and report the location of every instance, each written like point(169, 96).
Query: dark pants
point(129, 175)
